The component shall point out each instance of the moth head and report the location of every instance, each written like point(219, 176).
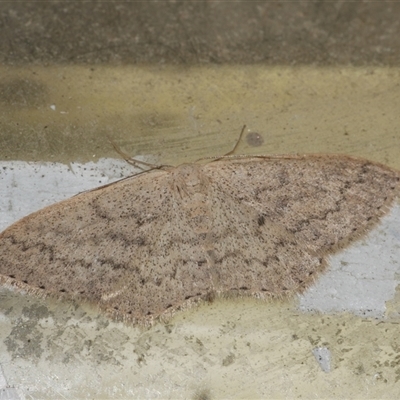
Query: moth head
point(189, 179)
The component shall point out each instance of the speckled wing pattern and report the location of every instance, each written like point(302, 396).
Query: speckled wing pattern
point(153, 243)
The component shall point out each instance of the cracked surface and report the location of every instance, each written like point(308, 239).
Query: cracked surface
point(148, 245)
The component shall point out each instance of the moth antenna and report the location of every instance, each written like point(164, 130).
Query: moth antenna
point(133, 161)
point(237, 142)
point(229, 152)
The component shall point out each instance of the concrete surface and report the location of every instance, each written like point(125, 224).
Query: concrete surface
point(234, 349)
point(200, 32)
point(175, 81)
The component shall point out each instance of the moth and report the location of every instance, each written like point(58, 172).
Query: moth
point(151, 244)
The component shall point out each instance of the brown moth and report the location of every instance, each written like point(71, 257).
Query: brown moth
point(156, 242)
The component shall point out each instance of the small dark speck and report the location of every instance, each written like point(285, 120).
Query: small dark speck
point(254, 139)
point(202, 394)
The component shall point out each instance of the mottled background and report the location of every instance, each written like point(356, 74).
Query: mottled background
point(173, 81)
